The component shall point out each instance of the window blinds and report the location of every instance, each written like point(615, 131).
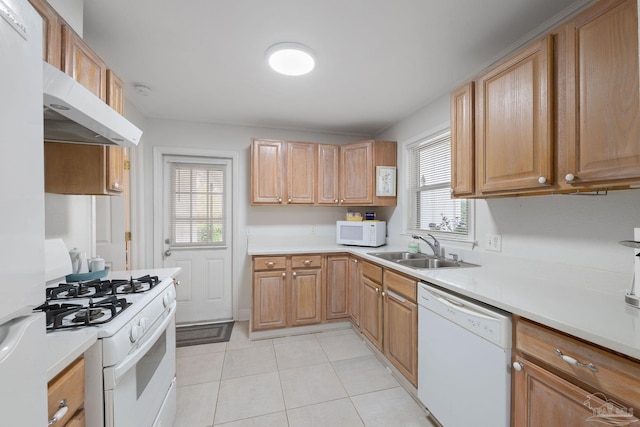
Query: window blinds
point(197, 205)
point(433, 209)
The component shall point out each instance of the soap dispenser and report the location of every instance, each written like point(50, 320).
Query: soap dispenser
point(414, 247)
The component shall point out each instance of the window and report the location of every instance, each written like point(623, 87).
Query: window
point(197, 210)
point(432, 208)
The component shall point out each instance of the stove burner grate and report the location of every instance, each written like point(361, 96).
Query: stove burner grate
point(62, 316)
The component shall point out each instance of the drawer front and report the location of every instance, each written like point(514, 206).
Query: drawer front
point(613, 375)
point(372, 271)
point(306, 261)
point(69, 387)
point(401, 285)
point(269, 263)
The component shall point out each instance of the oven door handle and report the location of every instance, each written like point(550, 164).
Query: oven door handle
point(131, 360)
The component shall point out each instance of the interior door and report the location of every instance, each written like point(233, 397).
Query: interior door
point(197, 235)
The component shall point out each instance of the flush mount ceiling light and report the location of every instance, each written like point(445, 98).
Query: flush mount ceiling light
point(141, 89)
point(291, 59)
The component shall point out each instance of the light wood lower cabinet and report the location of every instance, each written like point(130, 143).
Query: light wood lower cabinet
point(337, 277)
point(355, 276)
point(401, 324)
point(287, 291)
point(552, 390)
point(67, 390)
point(371, 311)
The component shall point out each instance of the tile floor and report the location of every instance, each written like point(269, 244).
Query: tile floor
point(323, 379)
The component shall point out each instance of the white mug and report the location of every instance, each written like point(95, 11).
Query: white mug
point(96, 264)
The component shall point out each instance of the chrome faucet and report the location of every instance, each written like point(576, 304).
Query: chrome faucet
point(435, 246)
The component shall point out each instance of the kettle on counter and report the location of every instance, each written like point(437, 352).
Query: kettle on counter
point(78, 261)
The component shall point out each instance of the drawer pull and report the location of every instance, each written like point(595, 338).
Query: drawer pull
point(570, 360)
point(60, 413)
point(269, 264)
point(307, 262)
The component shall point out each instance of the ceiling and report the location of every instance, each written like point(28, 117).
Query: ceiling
point(378, 61)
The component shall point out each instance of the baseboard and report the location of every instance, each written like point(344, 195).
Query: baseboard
point(299, 330)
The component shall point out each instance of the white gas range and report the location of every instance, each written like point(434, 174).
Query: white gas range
point(130, 370)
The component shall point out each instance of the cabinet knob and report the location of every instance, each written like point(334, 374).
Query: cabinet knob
point(294, 274)
point(335, 201)
point(542, 180)
point(377, 290)
point(383, 294)
point(517, 366)
point(355, 261)
point(279, 200)
point(569, 177)
point(116, 185)
point(284, 274)
point(307, 262)
point(289, 200)
point(341, 200)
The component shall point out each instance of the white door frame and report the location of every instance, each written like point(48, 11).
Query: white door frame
point(158, 244)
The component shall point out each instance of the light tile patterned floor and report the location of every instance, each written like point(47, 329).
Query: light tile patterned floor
point(324, 379)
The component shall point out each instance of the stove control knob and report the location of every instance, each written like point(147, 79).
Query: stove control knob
point(143, 324)
point(136, 333)
point(168, 299)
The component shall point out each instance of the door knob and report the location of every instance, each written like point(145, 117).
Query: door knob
point(167, 252)
point(167, 240)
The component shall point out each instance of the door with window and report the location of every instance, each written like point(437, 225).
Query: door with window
point(197, 235)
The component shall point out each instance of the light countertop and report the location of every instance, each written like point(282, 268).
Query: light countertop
point(587, 303)
point(63, 347)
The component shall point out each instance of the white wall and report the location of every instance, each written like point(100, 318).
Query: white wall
point(256, 221)
point(570, 229)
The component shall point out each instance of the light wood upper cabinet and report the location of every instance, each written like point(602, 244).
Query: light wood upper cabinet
point(356, 174)
point(602, 95)
point(307, 173)
point(514, 122)
point(462, 141)
point(81, 63)
point(301, 172)
point(115, 155)
point(267, 171)
point(51, 33)
point(328, 182)
point(84, 168)
point(358, 165)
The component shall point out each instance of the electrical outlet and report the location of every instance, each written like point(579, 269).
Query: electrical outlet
point(313, 229)
point(494, 242)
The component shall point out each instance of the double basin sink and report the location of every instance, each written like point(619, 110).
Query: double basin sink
point(420, 261)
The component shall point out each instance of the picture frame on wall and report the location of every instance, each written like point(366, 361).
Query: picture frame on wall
point(386, 181)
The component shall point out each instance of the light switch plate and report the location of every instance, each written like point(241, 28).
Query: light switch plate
point(493, 242)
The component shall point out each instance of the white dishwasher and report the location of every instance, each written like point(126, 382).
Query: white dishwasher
point(464, 360)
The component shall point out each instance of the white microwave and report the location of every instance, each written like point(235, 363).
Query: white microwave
point(361, 233)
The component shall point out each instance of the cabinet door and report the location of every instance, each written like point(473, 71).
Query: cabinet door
point(355, 279)
point(328, 174)
point(51, 33)
point(514, 142)
point(115, 155)
point(269, 300)
point(603, 105)
point(267, 171)
point(356, 173)
point(81, 63)
point(543, 399)
point(401, 335)
point(301, 172)
point(337, 286)
point(371, 311)
point(306, 297)
point(462, 141)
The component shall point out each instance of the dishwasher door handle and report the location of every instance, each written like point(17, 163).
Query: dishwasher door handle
point(459, 306)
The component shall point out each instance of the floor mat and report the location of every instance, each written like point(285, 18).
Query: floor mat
point(203, 334)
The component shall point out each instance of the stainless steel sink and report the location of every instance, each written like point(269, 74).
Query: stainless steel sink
point(399, 256)
point(420, 261)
